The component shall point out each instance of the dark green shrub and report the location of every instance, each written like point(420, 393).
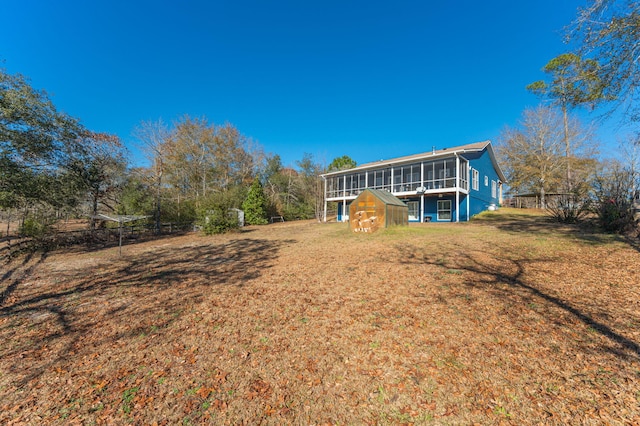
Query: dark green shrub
point(216, 216)
point(32, 227)
point(255, 205)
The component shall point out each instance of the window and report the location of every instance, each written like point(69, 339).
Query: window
point(486, 181)
point(493, 189)
point(476, 179)
point(414, 210)
point(380, 179)
point(463, 175)
point(438, 174)
point(397, 179)
point(444, 209)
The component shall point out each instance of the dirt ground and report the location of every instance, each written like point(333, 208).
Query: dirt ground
point(508, 319)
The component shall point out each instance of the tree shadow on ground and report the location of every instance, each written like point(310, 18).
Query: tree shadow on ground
point(633, 242)
point(92, 307)
point(506, 281)
point(544, 224)
point(8, 283)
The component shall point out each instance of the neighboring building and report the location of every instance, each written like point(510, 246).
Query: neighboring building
point(448, 185)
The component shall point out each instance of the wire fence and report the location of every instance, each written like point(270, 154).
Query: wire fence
point(14, 245)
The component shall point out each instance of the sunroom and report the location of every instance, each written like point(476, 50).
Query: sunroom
point(423, 177)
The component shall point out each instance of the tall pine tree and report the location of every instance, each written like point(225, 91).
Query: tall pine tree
point(255, 205)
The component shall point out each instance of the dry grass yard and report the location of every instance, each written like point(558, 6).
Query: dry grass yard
point(508, 319)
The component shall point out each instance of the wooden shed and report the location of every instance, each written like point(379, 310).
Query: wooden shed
point(374, 209)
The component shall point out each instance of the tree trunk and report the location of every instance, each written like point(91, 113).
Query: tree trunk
point(157, 218)
point(94, 210)
point(567, 144)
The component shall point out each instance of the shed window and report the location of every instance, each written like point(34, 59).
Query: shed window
point(493, 189)
point(476, 180)
point(486, 181)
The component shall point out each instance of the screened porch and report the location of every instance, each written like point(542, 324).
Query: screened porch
point(426, 177)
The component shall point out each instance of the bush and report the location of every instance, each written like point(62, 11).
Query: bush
point(31, 227)
point(181, 213)
point(219, 221)
point(614, 192)
point(216, 217)
point(616, 215)
point(569, 208)
point(298, 212)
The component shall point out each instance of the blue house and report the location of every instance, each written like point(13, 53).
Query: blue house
point(446, 185)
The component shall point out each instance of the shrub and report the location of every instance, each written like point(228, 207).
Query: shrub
point(614, 194)
point(219, 221)
point(31, 227)
point(616, 215)
point(569, 208)
point(216, 217)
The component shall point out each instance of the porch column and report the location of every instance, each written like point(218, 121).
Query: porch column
point(324, 212)
point(422, 184)
point(344, 208)
point(468, 209)
point(457, 188)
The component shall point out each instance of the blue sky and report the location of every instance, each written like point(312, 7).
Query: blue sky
point(368, 79)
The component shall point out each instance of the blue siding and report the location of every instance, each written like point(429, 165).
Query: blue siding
point(481, 199)
point(431, 208)
point(463, 207)
point(341, 213)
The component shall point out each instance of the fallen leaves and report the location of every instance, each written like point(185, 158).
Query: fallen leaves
point(478, 327)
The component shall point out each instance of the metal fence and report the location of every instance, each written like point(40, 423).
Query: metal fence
point(13, 245)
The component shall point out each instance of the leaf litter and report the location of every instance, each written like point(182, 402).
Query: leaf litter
point(508, 320)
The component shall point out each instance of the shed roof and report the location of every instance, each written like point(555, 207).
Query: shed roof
point(386, 197)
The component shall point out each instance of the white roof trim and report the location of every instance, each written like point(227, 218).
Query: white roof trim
point(446, 152)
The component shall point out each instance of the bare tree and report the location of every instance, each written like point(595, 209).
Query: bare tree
point(534, 152)
point(153, 137)
point(99, 167)
point(574, 82)
point(191, 153)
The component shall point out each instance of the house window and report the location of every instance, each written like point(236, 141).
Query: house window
point(444, 209)
point(486, 181)
point(463, 175)
point(493, 189)
point(380, 179)
point(476, 180)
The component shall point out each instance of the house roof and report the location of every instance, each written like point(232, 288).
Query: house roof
point(441, 153)
point(386, 197)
